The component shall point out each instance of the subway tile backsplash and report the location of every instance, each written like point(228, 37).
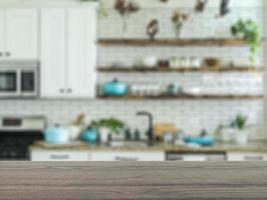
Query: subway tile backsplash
point(192, 116)
point(189, 115)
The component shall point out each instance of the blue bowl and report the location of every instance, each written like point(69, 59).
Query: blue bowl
point(203, 141)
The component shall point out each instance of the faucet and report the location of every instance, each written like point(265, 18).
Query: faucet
point(150, 131)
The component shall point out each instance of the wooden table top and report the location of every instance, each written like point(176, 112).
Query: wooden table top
point(133, 180)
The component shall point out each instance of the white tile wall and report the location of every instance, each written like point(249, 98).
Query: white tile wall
point(189, 115)
point(192, 116)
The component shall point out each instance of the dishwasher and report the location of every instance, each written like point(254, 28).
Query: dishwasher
point(195, 156)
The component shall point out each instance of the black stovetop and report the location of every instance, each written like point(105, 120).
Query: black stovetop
point(15, 145)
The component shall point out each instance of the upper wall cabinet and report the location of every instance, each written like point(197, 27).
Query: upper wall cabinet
point(81, 54)
point(68, 52)
point(53, 51)
point(18, 34)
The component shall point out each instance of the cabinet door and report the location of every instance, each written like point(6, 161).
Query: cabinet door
point(21, 34)
point(2, 33)
point(81, 55)
point(53, 46)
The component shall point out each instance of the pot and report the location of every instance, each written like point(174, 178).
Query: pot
point(115, 88)
point(104, 135)
point(150, 61)
point(228, 135)
point(57, 135)
point(75, 132)
point(90, 135)
point(241, 137)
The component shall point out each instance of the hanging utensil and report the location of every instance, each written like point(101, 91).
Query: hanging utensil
point(201, 5)
point(152, 29)
point(224, 8)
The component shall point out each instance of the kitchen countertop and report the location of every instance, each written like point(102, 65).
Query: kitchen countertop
point(138, 180)
point(258, 147)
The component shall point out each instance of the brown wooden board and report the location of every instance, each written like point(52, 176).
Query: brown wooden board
point(133, 180)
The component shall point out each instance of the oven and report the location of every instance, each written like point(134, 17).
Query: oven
point(17, 134)
point(19, 80)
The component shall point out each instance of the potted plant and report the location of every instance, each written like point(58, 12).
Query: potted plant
point(108, 126)
point(239, 124)
point(249, 31)
point(236, 131)
point(125, 8)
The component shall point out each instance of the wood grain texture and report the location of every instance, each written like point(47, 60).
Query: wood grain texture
point(184, 97)
point(133, 180)
point(112, 69)
point(173, 42)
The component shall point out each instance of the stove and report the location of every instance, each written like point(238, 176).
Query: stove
point(17, 134)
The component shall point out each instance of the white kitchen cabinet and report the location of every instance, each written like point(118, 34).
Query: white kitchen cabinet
point(53, 45)
point(127, 156)
point(2, 33)
point(21, 33)
point(52, 155)
point(81, 55)
point(68, 52)
point(232, 156)
point(18, 34)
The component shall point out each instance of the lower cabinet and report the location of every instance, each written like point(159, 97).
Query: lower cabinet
point(72, 155)
point(128, 156)
point(246, 156)
point(53, 155)
point(47, 155)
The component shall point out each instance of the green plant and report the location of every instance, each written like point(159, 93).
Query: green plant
point(249, 31)
point(239, 122)
point(115, 125)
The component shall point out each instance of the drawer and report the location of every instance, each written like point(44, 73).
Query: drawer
point(194, 157)
point(127, 156)
point(247, 157)
point(59, 156)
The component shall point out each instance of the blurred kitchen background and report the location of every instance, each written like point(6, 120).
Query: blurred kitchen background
point(195, 67)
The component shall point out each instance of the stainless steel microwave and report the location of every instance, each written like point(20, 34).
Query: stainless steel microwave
point(19, 79)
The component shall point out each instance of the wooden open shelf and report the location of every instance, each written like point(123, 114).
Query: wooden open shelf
point(186, 97)
point(180, 70)
point(173, 42)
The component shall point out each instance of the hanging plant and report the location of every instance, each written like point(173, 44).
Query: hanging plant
point(249, 31)
point(125, 9)
point(178, 20)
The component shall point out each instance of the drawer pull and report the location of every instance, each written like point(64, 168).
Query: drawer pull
point(120, 158)
point(59, 157)
point(175, 158)
point(256, 158)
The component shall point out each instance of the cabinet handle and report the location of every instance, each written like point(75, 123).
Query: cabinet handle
point(120, 158)
point(61, 90)
point(254, 158)
point(8, 54)
point(60, 157)
point(1, 54)
point(69, 90)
